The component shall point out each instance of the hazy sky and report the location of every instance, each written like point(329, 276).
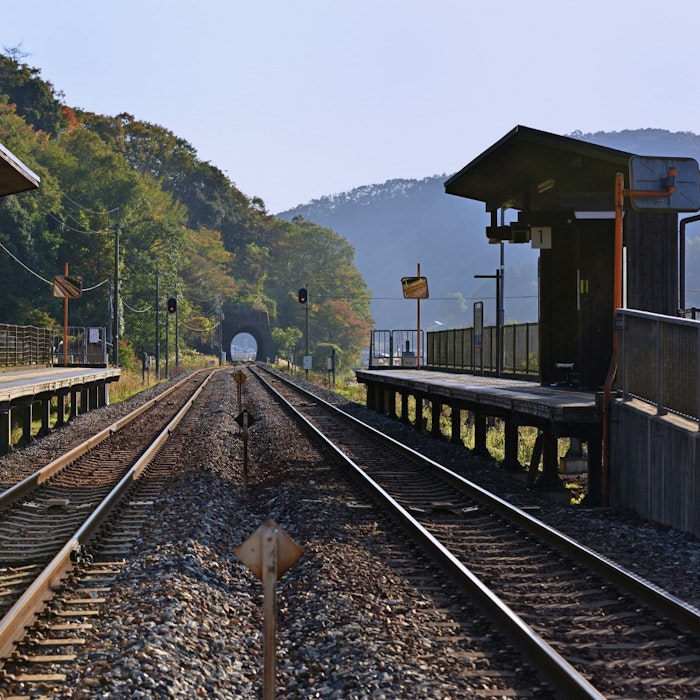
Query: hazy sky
point(294, 100)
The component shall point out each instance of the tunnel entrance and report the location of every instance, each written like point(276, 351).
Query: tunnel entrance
point(244, 348)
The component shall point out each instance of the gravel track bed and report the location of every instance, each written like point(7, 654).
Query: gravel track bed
point(186, 620)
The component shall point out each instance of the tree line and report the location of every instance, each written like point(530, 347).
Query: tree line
point(183, 228)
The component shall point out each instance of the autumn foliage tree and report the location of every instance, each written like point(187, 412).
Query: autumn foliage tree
point(183, 227)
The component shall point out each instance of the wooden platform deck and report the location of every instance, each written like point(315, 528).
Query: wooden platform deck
point(21, 389)
point(555, 411)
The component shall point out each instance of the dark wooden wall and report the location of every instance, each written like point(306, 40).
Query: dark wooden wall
point(652, 262)
point(576, 289)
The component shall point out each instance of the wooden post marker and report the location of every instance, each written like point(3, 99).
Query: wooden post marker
point(239, 377)
point(269, 553)
point(245, 420)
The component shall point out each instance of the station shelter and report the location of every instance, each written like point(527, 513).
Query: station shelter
point(564, 192)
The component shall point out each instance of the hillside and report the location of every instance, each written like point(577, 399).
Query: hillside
point(397, 224)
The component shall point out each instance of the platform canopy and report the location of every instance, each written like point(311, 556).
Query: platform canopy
point(15, 176)
point(533, 171)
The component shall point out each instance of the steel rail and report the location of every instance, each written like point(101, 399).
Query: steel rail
point(556, 670)
point(663, 602)
point(46, 472)
point(25, 609)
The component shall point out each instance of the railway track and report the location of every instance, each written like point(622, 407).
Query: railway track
point(65, 530)
point(590, 627)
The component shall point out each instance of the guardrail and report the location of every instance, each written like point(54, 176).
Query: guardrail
point(395, 348)
point(24, 345)
point(658, 361)
point(86, 346)
point(460, 349)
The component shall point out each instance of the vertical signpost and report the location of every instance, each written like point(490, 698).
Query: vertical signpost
point(65, 287)
point(416, 288)
point(269, 553)
point(304, 299)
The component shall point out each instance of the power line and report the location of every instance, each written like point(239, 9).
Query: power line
point(19, 262)
point(89, 211)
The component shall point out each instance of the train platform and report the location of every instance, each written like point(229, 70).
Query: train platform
point(556, 412)
point(85, 388)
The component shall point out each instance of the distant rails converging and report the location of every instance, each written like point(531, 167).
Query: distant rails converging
point(589, 627)
point(48, 519)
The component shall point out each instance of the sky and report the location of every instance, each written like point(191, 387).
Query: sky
point(295, 100)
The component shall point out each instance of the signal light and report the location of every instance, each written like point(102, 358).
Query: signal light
point(172, 305)
point(303, 298)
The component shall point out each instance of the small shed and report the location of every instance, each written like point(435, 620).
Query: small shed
point(564, 191)
point(15, 176)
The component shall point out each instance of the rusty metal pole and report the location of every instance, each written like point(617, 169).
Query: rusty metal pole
point(65, 322)
point(245, 450)
point(418, 336)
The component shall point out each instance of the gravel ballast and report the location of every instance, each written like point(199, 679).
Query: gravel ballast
point(184, 618)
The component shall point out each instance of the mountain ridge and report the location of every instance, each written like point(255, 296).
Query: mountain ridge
point(395, 225)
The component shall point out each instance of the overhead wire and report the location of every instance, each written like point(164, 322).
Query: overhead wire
point(28, 269)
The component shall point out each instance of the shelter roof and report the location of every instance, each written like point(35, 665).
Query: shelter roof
point(535, 170)
point(15, 176)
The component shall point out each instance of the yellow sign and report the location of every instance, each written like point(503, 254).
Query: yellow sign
point(67, 287)
point(239, 377)
point(414, 287)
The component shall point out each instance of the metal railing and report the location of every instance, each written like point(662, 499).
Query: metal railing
point(658, 361)
point(86, 346)
point(459, 349)
point(24, 345)
point(396, 348)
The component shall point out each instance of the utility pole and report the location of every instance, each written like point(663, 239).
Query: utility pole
point(115, 331)
point(157, 323)
point(221, 335)
point(177, 349)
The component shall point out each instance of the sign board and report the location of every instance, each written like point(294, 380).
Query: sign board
point(478, 323)
point(541, 237)
point(651, 174)
point(308, 362)
point(414, 287)
point(67, 287)
point(239, 377)
point(251, 551)
point(245, 419)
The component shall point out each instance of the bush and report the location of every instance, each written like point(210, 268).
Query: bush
point(321, 354)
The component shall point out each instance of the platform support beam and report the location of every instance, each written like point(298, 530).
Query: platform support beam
point(480, 448)
point(404, 407)
point(435, 419)
point(6, 431)
point(45, 404)
point(549, 479)
point(390, 403)
point(418, 423)
point(73, 404)
point(27, 417)
point(510, 460)
point(456, 425)
point(60, 409)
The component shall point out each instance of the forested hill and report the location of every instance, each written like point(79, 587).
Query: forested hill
point(183, 228)
point(396, 225)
